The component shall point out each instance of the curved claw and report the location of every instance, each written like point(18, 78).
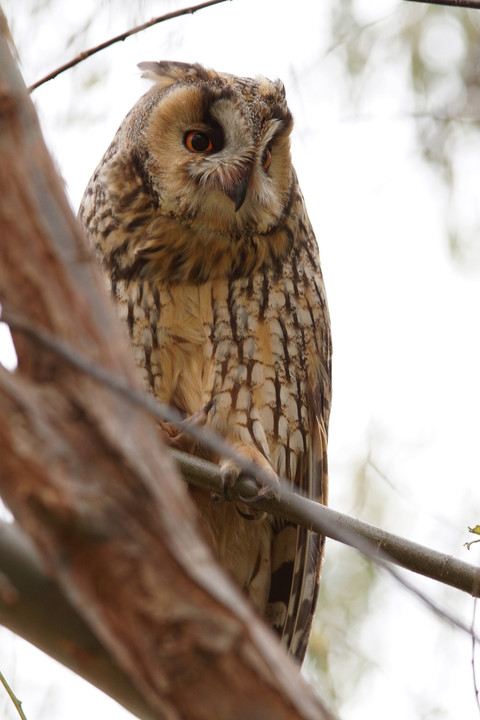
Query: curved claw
point(251, 500)
point(229, 478)
point(244, 515)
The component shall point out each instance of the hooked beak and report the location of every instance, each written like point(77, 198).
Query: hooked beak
point(238, 192)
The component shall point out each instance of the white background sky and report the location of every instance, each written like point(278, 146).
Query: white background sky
point(405, 317)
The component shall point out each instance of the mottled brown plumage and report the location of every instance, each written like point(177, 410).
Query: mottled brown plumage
point(197, 217)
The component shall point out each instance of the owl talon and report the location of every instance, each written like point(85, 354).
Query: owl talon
point(229, 477)
point(252, 500)
point(226, 493)
point(247, 516)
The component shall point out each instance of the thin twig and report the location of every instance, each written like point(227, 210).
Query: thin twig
point(474, 639)
point(470, 4)
point(378, 545)
point(16, 702)
point(120, 38)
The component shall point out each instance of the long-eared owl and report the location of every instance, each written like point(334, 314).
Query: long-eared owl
point(196, 215)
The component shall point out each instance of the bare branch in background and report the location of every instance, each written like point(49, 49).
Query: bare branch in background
point(474, 647)
point(15, 701)
point(469, 4)
point(120, 38)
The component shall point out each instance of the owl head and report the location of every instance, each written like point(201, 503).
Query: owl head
point(201, 163)
point(217, 146)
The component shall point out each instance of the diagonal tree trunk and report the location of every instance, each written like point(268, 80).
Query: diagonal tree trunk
point(87, 479)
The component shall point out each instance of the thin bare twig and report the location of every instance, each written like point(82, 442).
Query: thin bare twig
point(469, 4)
point(120, 38)
point(16, 702)
point(474, 643)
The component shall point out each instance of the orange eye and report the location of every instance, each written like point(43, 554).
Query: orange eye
point(266, 159)
point(197, 142)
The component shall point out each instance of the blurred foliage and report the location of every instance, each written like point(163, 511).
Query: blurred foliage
point(436, 50)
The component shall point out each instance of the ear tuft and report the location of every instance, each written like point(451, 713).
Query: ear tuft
point(167, 72)
point(280, 87)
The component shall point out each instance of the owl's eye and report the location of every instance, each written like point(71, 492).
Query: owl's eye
point(197, 142)
point(266, 158)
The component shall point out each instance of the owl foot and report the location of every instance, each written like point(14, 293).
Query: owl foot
point(268, 482)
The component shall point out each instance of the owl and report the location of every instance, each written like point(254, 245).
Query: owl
point(198, 221)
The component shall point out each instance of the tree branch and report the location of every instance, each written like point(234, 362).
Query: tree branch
point(120, 38)
point(378, 545)
point(382, 545)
